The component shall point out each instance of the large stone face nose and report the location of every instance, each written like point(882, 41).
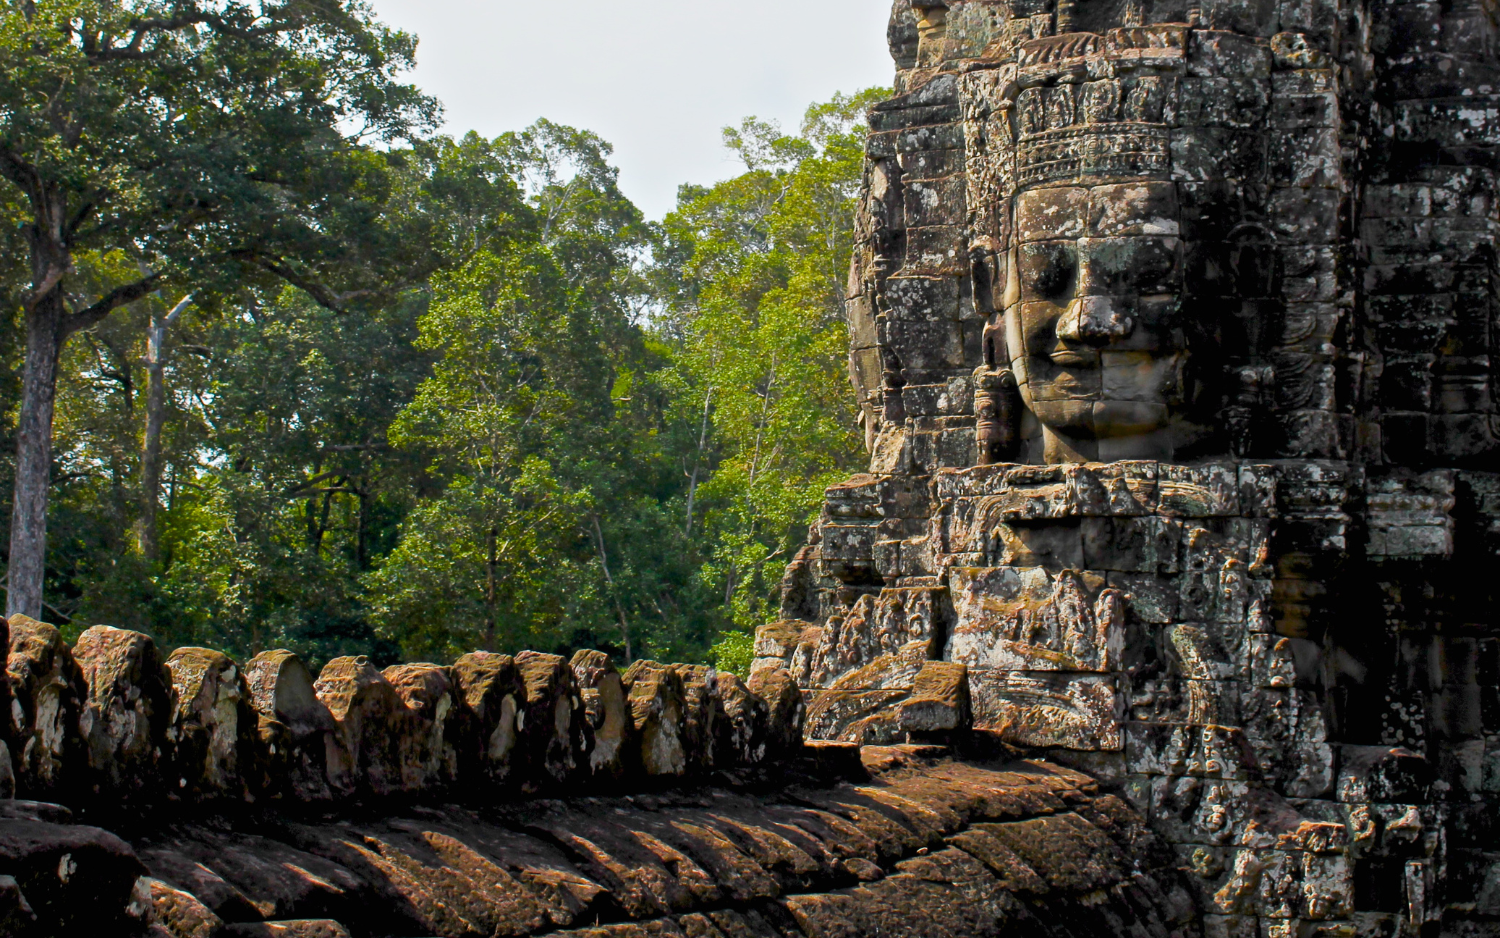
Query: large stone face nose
point(1095, 320)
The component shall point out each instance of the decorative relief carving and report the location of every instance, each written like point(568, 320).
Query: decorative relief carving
point(1207, 522)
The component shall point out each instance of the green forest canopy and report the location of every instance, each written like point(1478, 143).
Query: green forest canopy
point(543, 422)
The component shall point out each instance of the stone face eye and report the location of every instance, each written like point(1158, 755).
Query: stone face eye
point(1132, 266)
point(1048, 268)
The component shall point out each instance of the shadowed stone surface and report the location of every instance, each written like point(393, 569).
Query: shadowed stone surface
point(920, 845)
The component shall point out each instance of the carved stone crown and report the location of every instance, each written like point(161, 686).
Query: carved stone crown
point(1096, 105)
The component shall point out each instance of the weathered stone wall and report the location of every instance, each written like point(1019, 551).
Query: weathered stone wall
point(1173, 326)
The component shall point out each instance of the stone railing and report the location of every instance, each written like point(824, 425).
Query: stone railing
point(111, 722)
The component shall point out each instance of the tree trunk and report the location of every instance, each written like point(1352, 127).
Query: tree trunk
point(609, 581)
point(687, 529)
point(491, 584)
point(156, 407)
point(156, 412)
point(45, 334)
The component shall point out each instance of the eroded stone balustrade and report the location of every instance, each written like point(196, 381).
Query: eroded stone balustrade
point(112, 722)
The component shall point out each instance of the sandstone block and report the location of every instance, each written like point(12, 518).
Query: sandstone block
point(555, 738)
point(879, 625)
point(704, 711)
point(382, 738)
point(47, 691)
point(491, 693)
point(1071, 711)
point(125, 717)
point(213, 728)
point(608, 713)
point(741, 737)
point(428, 691)
point(658, 714)
point(303, 752)
point(1031, 621)
point(939, 701)
point(787, 711)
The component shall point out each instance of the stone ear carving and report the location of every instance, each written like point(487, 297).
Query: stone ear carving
point(1012, 294)
point(997, 412)
point(997, 405)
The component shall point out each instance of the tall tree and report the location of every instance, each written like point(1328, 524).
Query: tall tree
point(157, 332)
point(523, 419)
point(204, 138)
point(751, 276)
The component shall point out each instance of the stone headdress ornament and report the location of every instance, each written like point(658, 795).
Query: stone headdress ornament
point(1095, 105)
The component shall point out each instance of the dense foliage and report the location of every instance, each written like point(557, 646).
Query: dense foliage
point(531, 418)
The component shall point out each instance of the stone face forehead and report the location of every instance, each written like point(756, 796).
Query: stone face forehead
point(1102, 211)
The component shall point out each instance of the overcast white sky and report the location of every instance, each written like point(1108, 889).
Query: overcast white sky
point(656, 78)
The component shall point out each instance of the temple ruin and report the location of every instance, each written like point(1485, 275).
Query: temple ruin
point(1164, 608)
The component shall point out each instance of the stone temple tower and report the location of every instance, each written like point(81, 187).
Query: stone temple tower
point(1174, 331)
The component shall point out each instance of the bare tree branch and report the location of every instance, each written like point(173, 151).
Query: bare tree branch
point(111, 301)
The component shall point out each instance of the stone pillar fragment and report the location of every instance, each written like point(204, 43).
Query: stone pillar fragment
point(298, 743)
point(128, 709)
point(46, 693)
point(740, 739)
point(381, 736)
point(657, 715)
point(212, 733)
point(491, 694)
point(703, 710)
point(939, 701)
point(787, 710)
point(608, 712)
point(429, 692)
point(554, 732)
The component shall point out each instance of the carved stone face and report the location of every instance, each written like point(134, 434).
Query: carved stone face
point(1094, 318)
